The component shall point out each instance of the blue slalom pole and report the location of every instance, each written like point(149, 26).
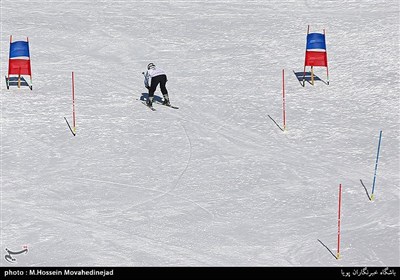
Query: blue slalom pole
point(376, 165)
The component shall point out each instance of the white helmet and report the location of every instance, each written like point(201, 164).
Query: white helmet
point(150, 66)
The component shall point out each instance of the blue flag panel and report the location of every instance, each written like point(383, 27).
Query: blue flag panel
point(316, 41)
point(19, 48)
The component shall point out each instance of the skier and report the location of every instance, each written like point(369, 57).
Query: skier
point(152, 78)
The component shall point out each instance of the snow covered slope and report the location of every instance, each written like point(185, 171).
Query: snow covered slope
point(215, 183)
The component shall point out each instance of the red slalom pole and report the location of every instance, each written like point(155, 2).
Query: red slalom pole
point(73, 101)
point(338, 238)
point(283, 99)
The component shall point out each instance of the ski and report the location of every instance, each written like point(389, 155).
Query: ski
point(150, 107)
point(157, 102)
point(173, 107)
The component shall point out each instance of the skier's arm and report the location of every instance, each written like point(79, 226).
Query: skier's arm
point(147, 80)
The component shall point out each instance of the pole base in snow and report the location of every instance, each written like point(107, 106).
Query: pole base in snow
point(72, 130)
point(337, 256)
point(372, 197)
